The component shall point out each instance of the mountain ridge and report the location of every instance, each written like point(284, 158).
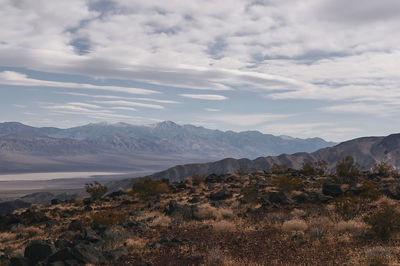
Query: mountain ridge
point(167, 142)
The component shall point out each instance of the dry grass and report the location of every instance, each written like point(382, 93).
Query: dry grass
point(352, 226)
point(295, 225)
point(207, 212)
point(319, 227)
point(298, 213)
point(380, 255)
point(224, 226)
point(135, 243)
point(161, 220)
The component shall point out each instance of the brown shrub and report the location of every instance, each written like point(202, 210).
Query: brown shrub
point(96, 190)
point(147, 188)
point(347, 206)
point(295, 225)
point(384, 222)
point(107, 217)
point(288, 184)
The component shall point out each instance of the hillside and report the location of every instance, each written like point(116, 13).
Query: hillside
point(262, 218)
point(125, 147)
point(366, 152)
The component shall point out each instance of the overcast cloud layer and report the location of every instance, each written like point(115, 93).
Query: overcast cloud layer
point(300, 68)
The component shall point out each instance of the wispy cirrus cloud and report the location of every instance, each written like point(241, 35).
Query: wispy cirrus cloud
point(131, 103)
point(19, 79)
point(210, 97)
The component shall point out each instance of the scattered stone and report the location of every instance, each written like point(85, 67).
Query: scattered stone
point(75, 225)
point(332, 189)
point(87, 253)
point(221, 195)
point(279, 198)
point(38, 250)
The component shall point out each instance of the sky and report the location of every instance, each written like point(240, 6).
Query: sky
point(311, 68)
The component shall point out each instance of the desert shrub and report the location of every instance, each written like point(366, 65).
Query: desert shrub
point(224, 226)
point(351, 226)
point(107, 217)
point(298, 213)
point(147, 188)
point(206, 212)
point(197, 179)
point(370, 191)
point(319, 227)
point(287, 183)
point(379, 256)
point(347, 171)
point(135, 243)
point(384, 170)
point(295, 225)
point(161, 220)
point(384, 222)
point(241, 171)
point(96, 190)
point(347, 206)
point(279, 169)
point(310, 168)
point(250, 195)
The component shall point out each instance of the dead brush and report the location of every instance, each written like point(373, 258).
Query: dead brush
point(224, 226)
point(107, 217)
point(319, 227)
point(295, 225)
point(380, 256)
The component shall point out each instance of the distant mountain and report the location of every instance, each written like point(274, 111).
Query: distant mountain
point(124, 147)
point(366, 152)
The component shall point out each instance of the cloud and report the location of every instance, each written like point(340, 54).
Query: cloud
point(124, 108)
point(19, 79)
point(120, 97)
point(129, 103)
point(212, 110)
point(211, 97)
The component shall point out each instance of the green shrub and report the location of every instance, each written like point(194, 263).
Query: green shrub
point(384, 170)
point(384, 222)
point(347, 206)
point(286, 183)
point(147, 188)
point(347, 171)
point(96, 190)
point(108, 218)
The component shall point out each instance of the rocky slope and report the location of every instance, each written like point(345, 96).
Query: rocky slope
point(262, 218)
point(366, 152)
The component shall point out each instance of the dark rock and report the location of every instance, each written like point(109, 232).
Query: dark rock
point(354, 190)
point(213, 178)
point(91, 236)
point(75, 225)
point(318, 197)
point(62, 244)
point(9, 220)
point(32, 217)
point(127, 202)
point(221, 195)
point(116, 194)
point(88, 208)
point(332, 189)
point(279, 198)
point(38, 250)
point(55, 202)
point(301, 197)
point(194, 200)
point(62, 255)
point(87, 201)
point(51, 223)
point(87, 253)
point(19, 261)
point(115, 254)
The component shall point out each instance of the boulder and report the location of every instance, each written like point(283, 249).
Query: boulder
point(221, 195)
point(19, 261)
point(87, 253)
point(62, 255)
point(38, 250)
point(75, 225)
point(279, 198)
point(331, 189)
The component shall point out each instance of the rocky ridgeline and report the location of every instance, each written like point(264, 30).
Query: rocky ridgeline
point(141, 226)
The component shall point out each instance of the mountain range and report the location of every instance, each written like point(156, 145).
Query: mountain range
point(125, 147)
point(366, 152)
